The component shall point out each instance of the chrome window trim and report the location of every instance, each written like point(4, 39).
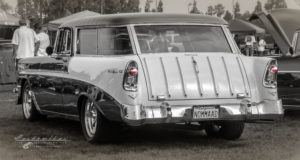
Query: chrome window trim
point(55, 42)
point(288, 71)
point(75, 37)
point(235, 49)
point(295, 40)
point(132, 40)
point(41, 72)
point(135, 39)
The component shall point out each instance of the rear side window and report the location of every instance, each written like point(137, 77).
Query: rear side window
point(88, 41)
point(104, 41)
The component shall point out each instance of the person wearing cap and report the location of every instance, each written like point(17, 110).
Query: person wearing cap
point(25, 42)
point(44, 39)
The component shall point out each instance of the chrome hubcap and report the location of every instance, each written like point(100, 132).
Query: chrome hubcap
point(27, 103)
point(90, 119)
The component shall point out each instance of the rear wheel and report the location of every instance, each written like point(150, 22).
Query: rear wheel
point(230, 130)
point(96, 128)
point(29, 109)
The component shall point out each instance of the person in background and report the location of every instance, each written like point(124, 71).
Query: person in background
point(25, 42)
point(261, 46)
point(44, 39)
point(250, 41)
point(237, 40)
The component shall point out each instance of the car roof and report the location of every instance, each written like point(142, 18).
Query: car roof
point(143, 18)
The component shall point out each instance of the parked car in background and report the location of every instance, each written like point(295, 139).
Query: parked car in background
point(289, 75)
point(283, 24)
point(139, 69)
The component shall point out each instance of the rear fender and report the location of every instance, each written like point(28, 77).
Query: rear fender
point(256, 70)
point(106, 73)
point(20, 83)
point(104, 103)
point(104, 76)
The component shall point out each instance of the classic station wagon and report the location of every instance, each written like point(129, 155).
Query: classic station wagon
point(138, 69)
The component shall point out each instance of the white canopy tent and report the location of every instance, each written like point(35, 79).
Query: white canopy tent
point(53, 25)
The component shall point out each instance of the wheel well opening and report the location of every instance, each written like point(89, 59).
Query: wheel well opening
point(80, 103)
point(21, 91)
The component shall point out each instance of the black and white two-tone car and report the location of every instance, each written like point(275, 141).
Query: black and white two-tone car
point(139, 69)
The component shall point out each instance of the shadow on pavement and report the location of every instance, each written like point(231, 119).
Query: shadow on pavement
point(153, 135)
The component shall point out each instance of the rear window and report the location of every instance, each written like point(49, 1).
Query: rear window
point(181, 38)
point(104, 41)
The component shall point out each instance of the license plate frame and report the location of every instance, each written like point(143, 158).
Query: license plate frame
point(205, 112)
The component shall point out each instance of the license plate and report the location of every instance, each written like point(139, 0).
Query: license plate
point(206, 112)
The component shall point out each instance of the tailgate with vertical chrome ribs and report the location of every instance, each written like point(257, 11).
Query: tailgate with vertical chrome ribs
point(195, 76)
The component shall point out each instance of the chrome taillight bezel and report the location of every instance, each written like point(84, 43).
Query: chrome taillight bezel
point(133, 85)
point(270, 79)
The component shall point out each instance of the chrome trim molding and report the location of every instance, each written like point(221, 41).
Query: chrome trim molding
point(197, 76)
point(288, 71)
point(181, 77)
point(228, 77)
point(242, 74)
point(166, 78)
point(243, 111)
point(213, 76)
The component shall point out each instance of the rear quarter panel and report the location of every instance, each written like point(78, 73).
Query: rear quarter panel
point(256, 70)
point(107, 73)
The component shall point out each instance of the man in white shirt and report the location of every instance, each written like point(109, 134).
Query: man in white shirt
point(25, 42)
point(261, 46)
point(250, 41)
point(44, 40)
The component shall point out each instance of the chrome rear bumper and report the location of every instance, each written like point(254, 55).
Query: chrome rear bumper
point(165, 113)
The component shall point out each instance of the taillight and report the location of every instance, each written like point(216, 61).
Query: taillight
point(274, 69)
point(133, 71)
point(270, 79)
point(130, 82)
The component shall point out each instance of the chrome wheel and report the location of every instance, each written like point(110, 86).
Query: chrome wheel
point(27, 102)
point(90, 119)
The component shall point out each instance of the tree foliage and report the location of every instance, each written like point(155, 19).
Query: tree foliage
point(237, 10)
point(210, 10)
point(133, 6)
point(160, 7)
point(228, 16)
point(52, 9)
point(219, 9)
point(275, 4)
point(246, 15)
point(148, 6)
point(258, 8)
point(5, 6)
point(195, 9)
